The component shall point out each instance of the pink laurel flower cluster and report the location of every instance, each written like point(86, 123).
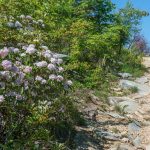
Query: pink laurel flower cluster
point(4, 52)
point(28, 68)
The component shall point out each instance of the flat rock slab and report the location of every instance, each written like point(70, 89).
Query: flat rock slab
point(129, 105)
point(107, 135)
point(142, 80)
point(143, 90)
point(134, 127)
point(116, 100)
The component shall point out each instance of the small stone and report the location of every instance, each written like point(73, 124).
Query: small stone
point(137, 141)
point(133, 127)
point(125, 75)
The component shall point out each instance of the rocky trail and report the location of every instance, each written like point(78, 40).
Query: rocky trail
point(124, 124)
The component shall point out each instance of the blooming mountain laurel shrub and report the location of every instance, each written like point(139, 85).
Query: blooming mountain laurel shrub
point(29, 66)
point(33, 94)
point(26, 71)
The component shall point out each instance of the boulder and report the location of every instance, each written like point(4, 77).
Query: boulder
point(129, 106)
point(143, 90)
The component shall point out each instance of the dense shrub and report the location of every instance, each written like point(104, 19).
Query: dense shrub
point(132, 62)
point(34, 106)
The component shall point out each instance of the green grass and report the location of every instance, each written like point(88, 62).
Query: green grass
point(134, 89)
point(136, 71)
point(120, 109)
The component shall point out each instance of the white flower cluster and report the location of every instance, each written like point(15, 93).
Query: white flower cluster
point(30, 68)
point(26, 22)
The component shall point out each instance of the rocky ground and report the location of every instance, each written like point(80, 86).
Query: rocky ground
point(124, 124)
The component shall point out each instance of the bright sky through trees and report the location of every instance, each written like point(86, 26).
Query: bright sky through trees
point(141, 4)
